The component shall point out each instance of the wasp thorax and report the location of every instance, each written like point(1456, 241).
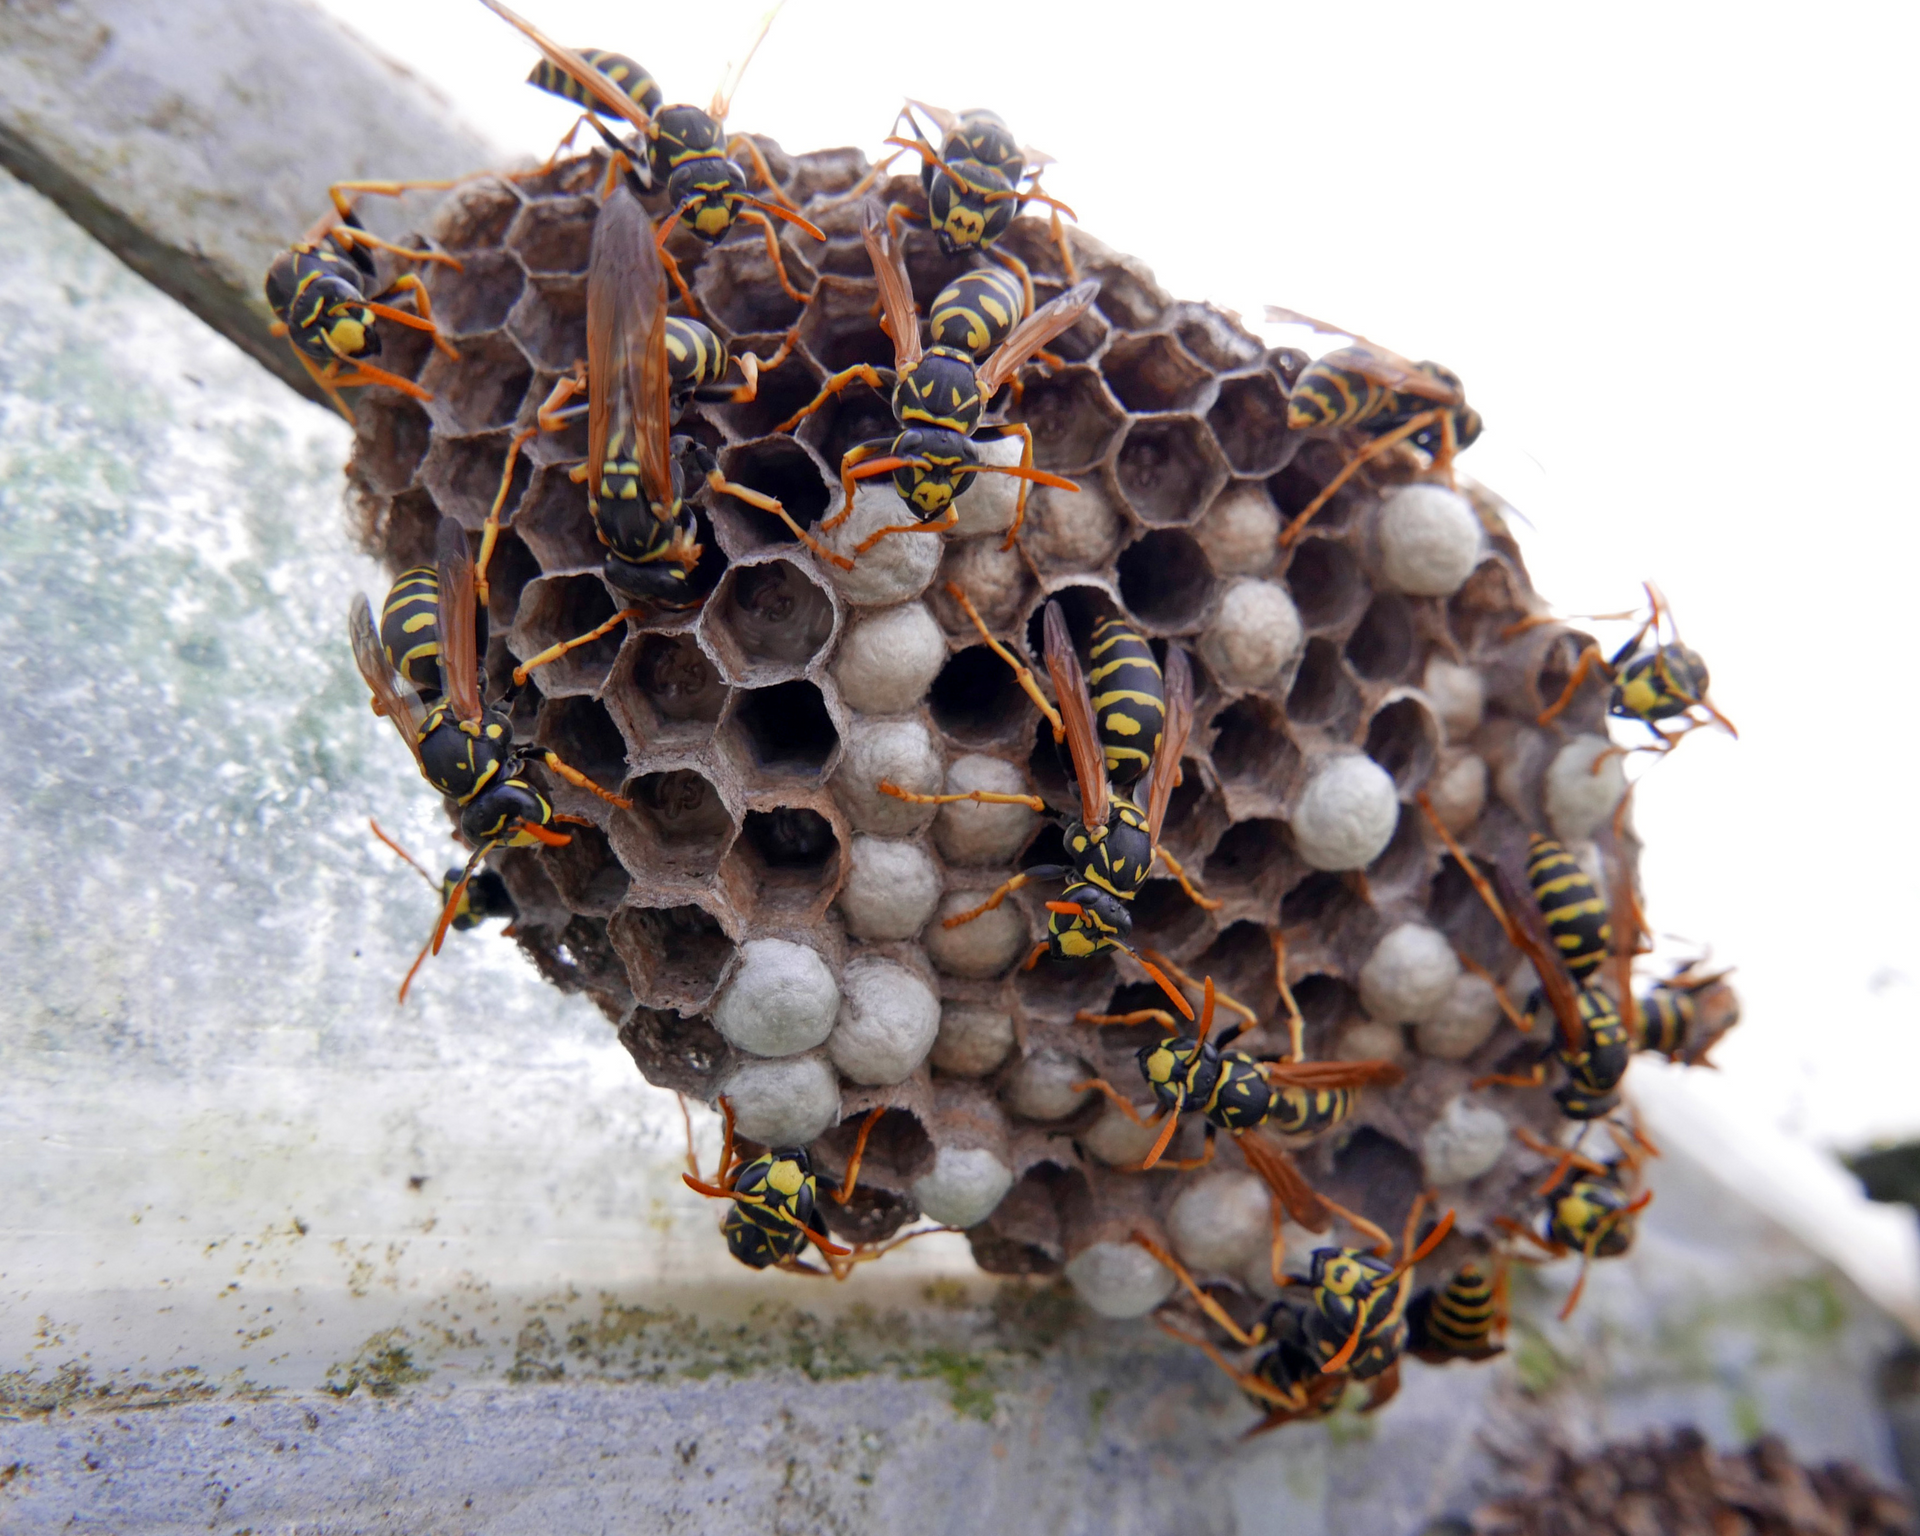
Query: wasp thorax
point(941, 390)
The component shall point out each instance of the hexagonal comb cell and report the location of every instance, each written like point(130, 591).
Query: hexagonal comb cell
point(1169, 469)
point(737, 287)
point(792, 858)
point(476, 216)
point(1251, 863)
point(556, 609)
point(841, 327)
point(674, 954)
point(976, 700)
point(475, 300)
point(552, 519)
point(550, 322)
point(1322, 692)
point(683, 825)
point(581, 732)
point(1381, 647)
point(1249, 422)
point(669, 691)
point(673, 1051)
point(389, 445)
point(1154, 373)
point(1214, 339)
point(1404, 738)
point(1300, 482)
point(1072, 417)
point(1127, 300)
point(1326, 584)
point(785, 729)
point(779, 394)
point(778, 467)
point(481, 391)
point(1165, 579)
point(463, 473)
point(767, 621)
point(585, 872)
point(1326, 1003)
point(1251, 748)
point(554, 236)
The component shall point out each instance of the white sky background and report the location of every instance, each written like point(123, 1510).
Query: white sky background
point(1670, 250)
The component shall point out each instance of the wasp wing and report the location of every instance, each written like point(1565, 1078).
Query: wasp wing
point(730, 81)
point(1164, 770)
point(896, 288)
point(627, 345)
point(1626, 926)
point(944, 120)
point(1076, 714)
point(1331, 1074)
point(1530, 933)
point(1282, 1175)
point(459, 644)
point(391, 697)
point(1033, 333)
point(576, 68)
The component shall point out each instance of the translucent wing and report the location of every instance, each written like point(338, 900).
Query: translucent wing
point(896, 289)
point(1530, 933)
point(627, 344)
point(576, 68)
point(1393, 372)
point(1165, 767)
point(459, 658)
point(391, 697)
point(942, 119)
point(1076, 714)
point(730, 81)
point(1626, 924)
point(1033, 333)
point(1289, 1185)
point(1331, 1074)
point(1280, 315)
point(1380, 365)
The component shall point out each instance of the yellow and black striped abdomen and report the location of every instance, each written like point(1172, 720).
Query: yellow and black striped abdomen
point(1328, 394)
point(634, 82)
point(1667, 1016)
point(975, 311)
point(695, 356)
point(1129, 698)
point(1575, 913)
point(410, 629)
point(1309, 1111)
point(1457, 1319)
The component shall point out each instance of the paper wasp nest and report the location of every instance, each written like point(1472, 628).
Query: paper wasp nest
point(764, 923)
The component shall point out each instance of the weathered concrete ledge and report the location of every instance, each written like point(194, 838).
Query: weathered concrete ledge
point(195, 140)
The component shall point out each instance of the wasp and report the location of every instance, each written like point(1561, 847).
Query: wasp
point(1111, 849)
point(1666, 680)
point(939, 395)
point(1683, 1016)
point(1367, 389)
point(775, 1206)
point(1589, 1209)
point(485, 895)
point(975, 183)
point(682, 147)
point(327, 299)
point(638, 471)
point(1351, 1326)
point(1238, 1093)
point(463, 746)
point(1284, 1381)
point(1461, 1319)
point(1567, 932)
